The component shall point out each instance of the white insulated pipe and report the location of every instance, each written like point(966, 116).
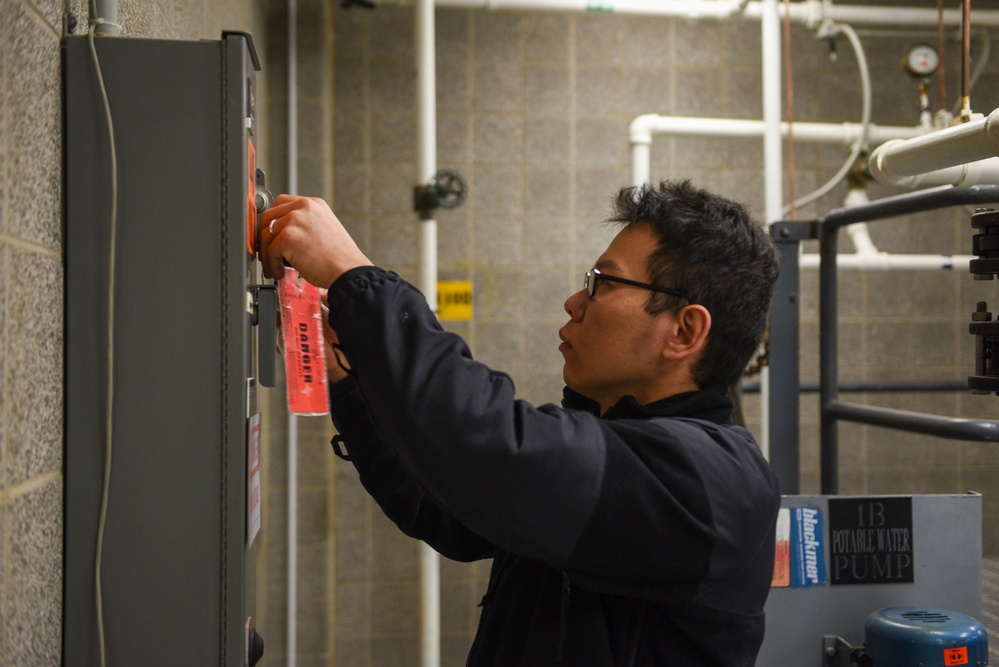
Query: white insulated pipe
point(643, 128)
point(972, 173)
point(884, 261)
point(773, 164)
point(866, 256)
point(814, 12)
point(426, 167)
point(809, 12)
point(974, 140)
point(714, 9)
point(859, 234)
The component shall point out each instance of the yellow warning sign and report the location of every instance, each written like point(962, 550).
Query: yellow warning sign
point(454, 299)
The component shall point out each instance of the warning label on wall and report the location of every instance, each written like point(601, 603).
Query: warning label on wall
point(454, 299)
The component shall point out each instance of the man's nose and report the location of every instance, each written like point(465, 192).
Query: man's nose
point(576, 304)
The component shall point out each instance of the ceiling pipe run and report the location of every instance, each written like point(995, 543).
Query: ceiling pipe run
point(984, 172)
point(975, 140)
point(643, 128)
point(809, 12)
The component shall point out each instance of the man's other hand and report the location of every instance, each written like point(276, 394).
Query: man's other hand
point(304, 233)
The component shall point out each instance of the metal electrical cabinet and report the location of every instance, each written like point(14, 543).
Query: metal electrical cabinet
point(177, 573)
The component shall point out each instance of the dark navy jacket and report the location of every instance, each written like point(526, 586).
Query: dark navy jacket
point(643, 537)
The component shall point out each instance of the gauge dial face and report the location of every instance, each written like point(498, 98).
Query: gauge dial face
point(922, 60)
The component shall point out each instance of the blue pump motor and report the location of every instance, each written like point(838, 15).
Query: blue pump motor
point(924, 637)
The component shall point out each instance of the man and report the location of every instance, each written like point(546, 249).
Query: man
point(634, 526)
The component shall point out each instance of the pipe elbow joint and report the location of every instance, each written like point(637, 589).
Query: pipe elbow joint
point(878, 166)
point(640, 129)
point(992, 131)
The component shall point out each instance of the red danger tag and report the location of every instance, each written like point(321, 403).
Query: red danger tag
point(956, 656)
point(304, 356)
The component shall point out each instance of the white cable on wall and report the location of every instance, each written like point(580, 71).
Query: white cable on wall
point(109, 406)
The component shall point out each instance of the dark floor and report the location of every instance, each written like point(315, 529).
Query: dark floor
point(990, 605)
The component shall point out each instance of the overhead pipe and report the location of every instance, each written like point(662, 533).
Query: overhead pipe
point(973, 173)
point(814, 12)
point(810, 12)
point(426, 166)
point(975, 140)
point(885, 261)
point(642, 129)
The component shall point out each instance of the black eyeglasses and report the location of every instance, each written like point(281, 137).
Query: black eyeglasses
point(595, 275)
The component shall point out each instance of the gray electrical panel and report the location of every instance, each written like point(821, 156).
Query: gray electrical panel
point(177, 573)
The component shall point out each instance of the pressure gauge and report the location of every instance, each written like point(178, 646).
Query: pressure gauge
point(922, 60)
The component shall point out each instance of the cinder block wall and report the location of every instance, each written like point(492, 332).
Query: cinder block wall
point(31, 295)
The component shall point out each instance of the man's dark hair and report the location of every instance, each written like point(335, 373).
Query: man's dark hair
point(711, 249)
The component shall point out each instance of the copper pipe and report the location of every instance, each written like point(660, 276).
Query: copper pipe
point(966, 58)
point(940, 49)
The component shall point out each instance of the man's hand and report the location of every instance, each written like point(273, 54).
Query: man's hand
point(305, 233)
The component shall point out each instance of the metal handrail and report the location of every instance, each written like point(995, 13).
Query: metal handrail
point(832, 410)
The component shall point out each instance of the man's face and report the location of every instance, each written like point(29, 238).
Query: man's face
point(612, 347)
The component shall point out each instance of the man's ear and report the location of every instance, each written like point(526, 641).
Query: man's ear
point(689, 334)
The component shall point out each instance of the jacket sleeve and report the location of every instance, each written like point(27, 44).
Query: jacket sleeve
point(529, 480)
point(385, 477)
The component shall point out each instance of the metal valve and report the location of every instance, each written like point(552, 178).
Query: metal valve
point(263, 199)
point(447, 189)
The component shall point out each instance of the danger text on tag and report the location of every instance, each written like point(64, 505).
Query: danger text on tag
point(304, 355)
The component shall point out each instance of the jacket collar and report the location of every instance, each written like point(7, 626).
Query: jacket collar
point(710, 404)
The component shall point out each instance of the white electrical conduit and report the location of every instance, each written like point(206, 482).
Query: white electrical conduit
point(950, 147)
point(809, 12)
point(426, 165)
point(773, 164)
point(292, 626)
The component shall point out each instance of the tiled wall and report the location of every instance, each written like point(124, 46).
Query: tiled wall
point(533, 110)
point(30, 332)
